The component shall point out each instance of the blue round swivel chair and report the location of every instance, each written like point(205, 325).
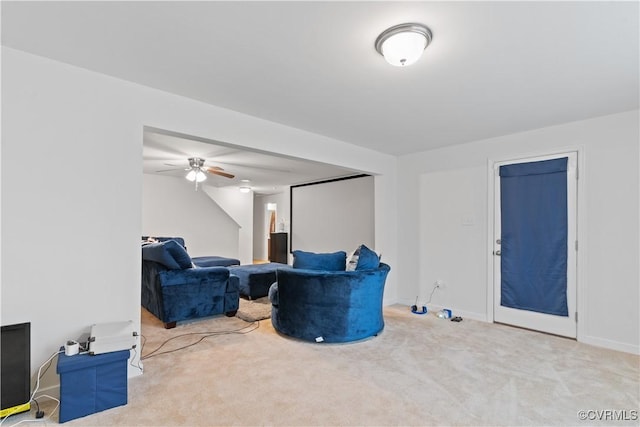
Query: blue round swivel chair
point(328, 306)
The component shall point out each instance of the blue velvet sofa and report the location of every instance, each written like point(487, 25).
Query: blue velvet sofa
point(174, 290)
point(331, 305)
point(200, 261)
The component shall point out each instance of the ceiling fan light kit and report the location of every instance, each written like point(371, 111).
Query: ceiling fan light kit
point(403, 44)
point(196, 175)
point(196, 172)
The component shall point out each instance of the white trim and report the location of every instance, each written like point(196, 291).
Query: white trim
point(581, 257)
point(433, 308)
point(491, 172)
point(610, 344)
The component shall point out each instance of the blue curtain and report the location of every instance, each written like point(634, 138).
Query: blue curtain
point(533, 203)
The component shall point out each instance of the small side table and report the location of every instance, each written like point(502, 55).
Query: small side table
point(90, 384)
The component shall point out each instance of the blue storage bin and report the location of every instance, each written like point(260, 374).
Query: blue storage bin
point(90, 384)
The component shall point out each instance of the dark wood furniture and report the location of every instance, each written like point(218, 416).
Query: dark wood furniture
point(278, 248)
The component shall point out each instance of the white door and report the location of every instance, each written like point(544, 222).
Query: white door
point(523, 271)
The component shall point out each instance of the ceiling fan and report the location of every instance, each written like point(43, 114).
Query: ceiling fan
point(198, 173)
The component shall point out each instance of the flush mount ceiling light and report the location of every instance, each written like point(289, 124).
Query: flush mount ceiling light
point(403, 44)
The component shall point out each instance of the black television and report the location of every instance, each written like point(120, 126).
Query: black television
point(15, 368)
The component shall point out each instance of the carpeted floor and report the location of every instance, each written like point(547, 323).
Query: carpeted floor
point(253, 310)
point(420, 370)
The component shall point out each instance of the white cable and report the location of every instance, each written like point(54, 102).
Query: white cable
point(40, 420)
point(430, 295)
point(39, 370)
point(53, 411)
point(34, 391)
point(135, 354)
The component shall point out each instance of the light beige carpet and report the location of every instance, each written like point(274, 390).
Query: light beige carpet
point(420, 370)
point(253, 310)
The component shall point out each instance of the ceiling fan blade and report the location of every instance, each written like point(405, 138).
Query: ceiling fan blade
point(214, 171)
point(170, 170)
point(218, 168)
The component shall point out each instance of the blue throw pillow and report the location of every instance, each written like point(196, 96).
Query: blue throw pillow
point(335, 261)
point(367, 259)
point(158, 253)
point(179, 254)
point(164, 239)
point(170, 254)
point(180, 240)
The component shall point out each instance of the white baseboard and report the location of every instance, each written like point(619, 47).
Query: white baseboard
point(133, 370)
point(462, 313)
point(482, 317)
point(387, 302)
point(591, 340)
point(610, 344)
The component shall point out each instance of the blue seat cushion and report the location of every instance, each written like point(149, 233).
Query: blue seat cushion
point(335, 261)
point(169, 253)
point(214, 261)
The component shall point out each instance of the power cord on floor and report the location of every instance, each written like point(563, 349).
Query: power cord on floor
point(137, 365)
point(42, 418)
point(431, 294)
point(35, 390)
point(39, 413)
point(423, 310)
point(241, 331)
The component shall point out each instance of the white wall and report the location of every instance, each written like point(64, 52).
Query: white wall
point(239, 206)
point(172, 207)
point(333, 216)
point(260, 228)
point(71, 226)
point(261, 220)
point(452, 183)
point(453, 210)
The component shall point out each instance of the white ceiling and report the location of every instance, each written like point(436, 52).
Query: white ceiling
point(493, 68)
point(166, 154)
